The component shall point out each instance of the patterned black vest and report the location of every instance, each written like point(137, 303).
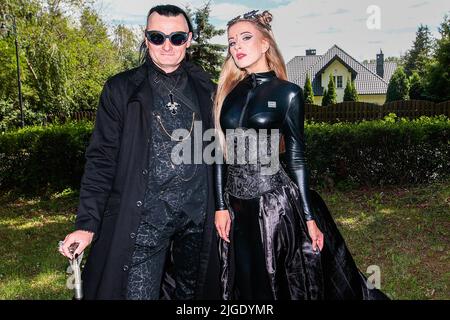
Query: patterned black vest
point(180, 185)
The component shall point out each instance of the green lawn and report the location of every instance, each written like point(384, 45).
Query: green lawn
point(31, 267)
point(403, 230)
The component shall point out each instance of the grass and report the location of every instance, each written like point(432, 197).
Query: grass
point(31, 267)
point(402, 230)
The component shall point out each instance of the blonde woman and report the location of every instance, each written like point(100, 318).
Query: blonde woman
point(278, 240)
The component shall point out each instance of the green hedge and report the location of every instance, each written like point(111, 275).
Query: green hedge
point(36, 160)
point(390, 151)
point(382, 152)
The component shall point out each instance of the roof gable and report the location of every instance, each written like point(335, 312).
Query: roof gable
point(345, 64)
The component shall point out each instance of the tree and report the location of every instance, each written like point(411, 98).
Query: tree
point(25, 13)
point(98, 59)
point(393, 59)
point(416, 89)
point(308, 91)
point(398, 88)
point(127, 45)
point(325, 98)
point(437, 82)
point(355, 93)
point(203, 53)
point(418, 57)
point(365, 61)
point(332, 98)
point(350, 93)
point(64, 64)
point(387, 59)
point(49, 62)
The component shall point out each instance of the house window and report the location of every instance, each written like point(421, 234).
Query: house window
point(338, 81)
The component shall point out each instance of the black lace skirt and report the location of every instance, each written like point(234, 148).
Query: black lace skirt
point(294, 270)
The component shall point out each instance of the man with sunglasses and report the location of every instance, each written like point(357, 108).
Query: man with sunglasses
point(149, 220)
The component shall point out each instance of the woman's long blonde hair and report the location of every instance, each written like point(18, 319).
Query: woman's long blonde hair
point(231, 74)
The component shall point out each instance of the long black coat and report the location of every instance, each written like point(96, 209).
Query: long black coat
point(114, 182)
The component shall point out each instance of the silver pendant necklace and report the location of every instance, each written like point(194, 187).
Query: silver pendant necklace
point(172, 105)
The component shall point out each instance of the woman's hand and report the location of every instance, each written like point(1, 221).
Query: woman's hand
point(223, 224)
point(83, 238)
point(315, 234)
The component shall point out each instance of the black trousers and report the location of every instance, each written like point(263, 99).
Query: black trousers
point(165, 234)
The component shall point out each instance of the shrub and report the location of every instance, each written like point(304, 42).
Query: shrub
point(389, 151)
point(38, 159)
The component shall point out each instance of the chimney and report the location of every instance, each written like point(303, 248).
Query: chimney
point(310, 52)
point(380, 64)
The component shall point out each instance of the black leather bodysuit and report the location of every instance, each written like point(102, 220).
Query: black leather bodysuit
point(262, 101)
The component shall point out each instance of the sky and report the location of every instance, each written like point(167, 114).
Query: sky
point(359, 27)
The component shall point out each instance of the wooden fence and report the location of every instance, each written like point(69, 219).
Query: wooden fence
point(344, 111)
point(357, 111)
point(74, 116)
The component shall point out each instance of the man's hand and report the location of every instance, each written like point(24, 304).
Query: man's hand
point(223, 224)
point(82, 238)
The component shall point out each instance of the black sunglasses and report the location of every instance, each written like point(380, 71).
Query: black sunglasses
point(177, 38)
